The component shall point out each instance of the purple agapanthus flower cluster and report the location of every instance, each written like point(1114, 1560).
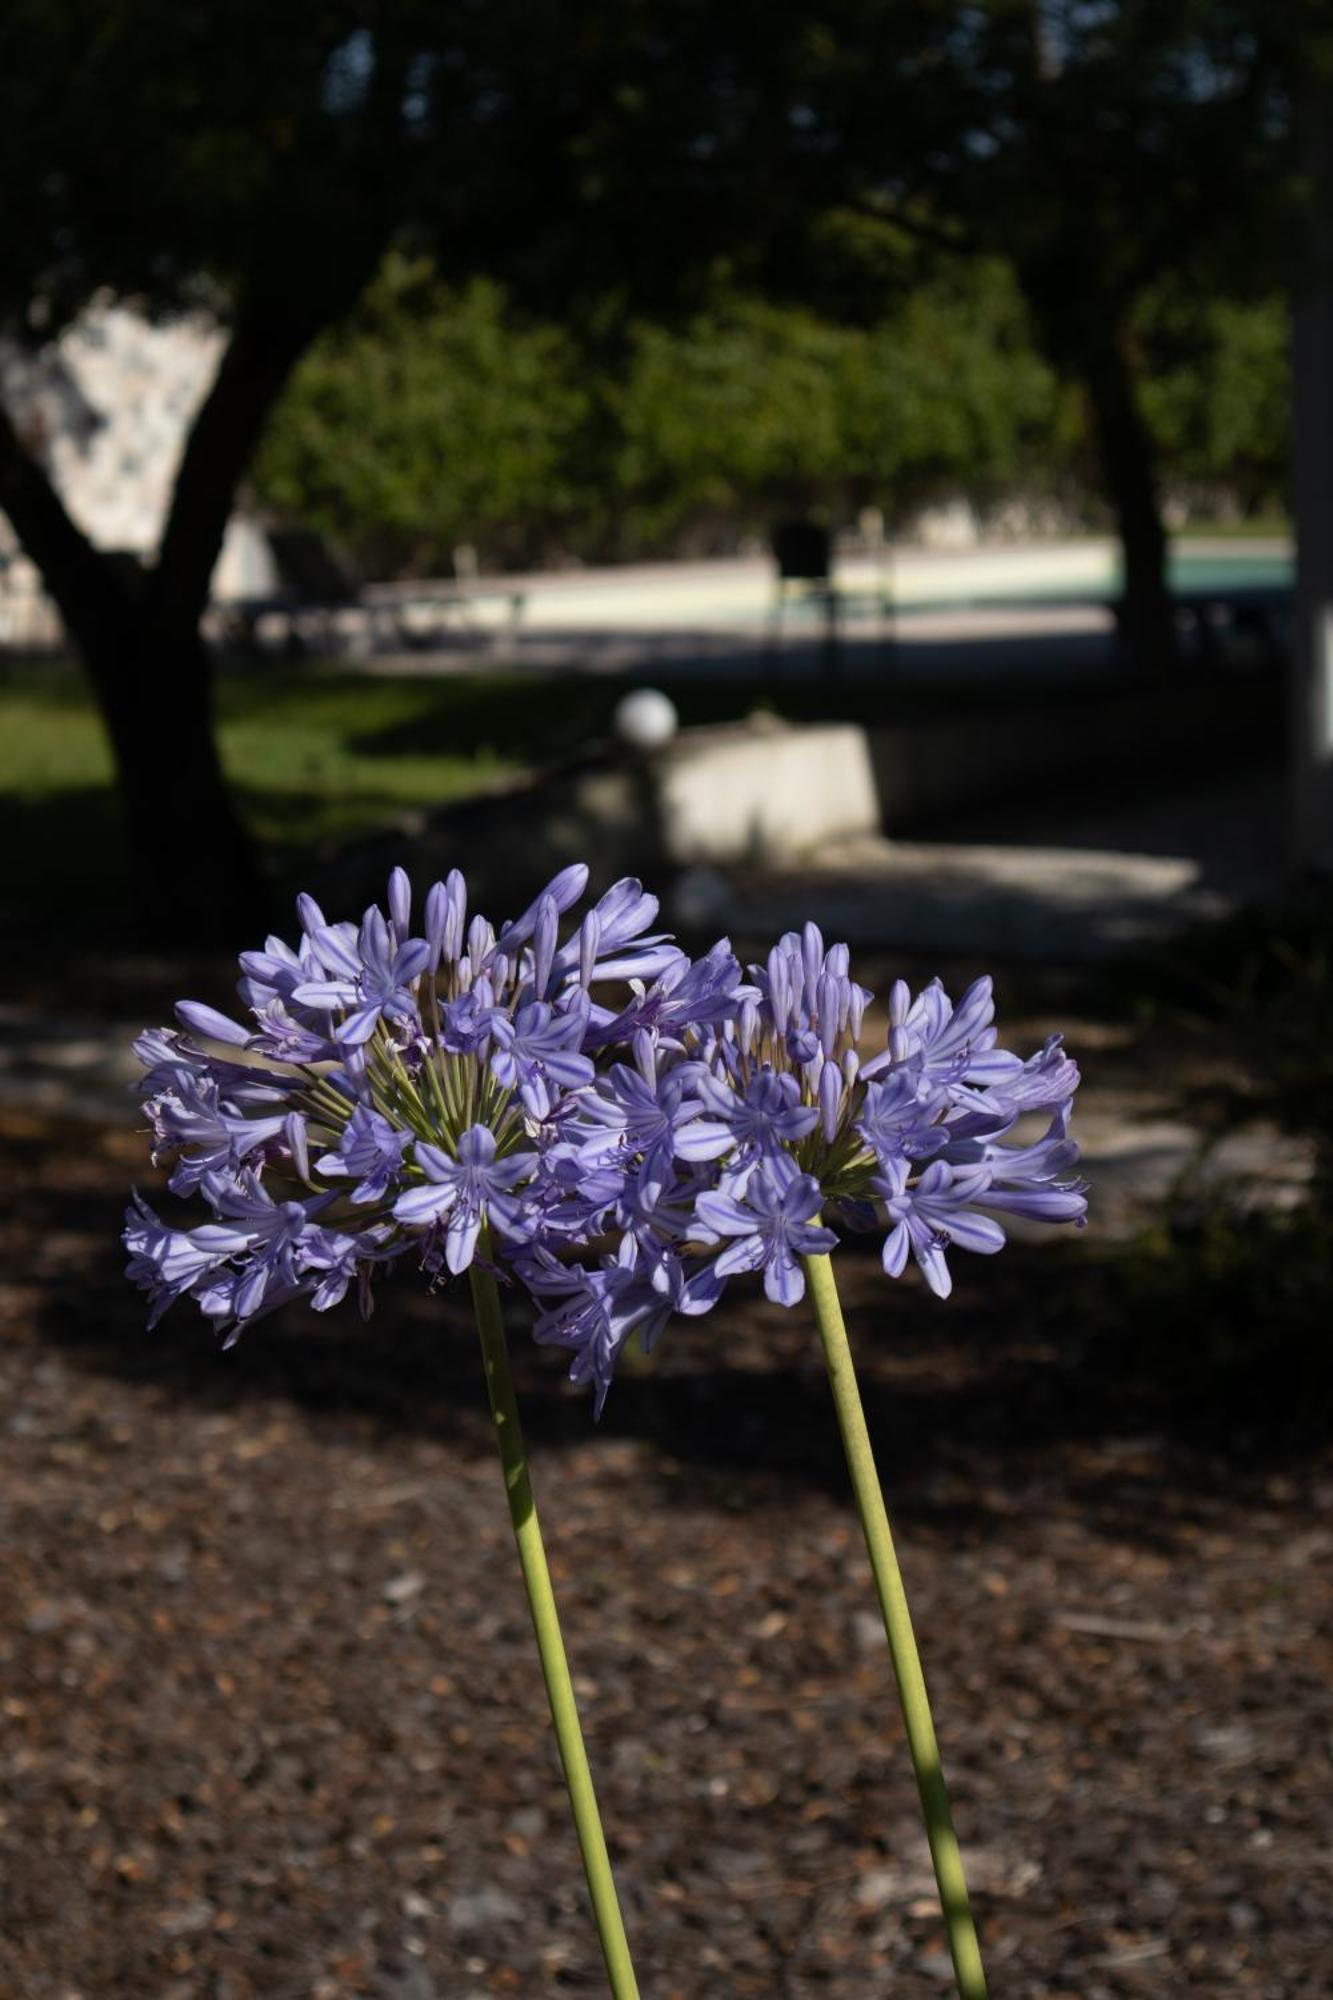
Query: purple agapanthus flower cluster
point(620, 1128)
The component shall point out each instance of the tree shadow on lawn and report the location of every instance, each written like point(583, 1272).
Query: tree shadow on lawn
point(63, 859)
point(545, 716)
point(64, 862)
point(968, 1402)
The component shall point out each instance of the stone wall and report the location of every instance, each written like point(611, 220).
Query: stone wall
point(106, 408)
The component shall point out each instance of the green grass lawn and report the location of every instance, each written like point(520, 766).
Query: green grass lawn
point(316, 754)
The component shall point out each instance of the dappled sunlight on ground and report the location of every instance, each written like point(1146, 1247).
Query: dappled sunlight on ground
point(274, 1721)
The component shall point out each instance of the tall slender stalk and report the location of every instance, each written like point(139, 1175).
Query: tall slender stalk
point(546, 1625)
point(948, 1862)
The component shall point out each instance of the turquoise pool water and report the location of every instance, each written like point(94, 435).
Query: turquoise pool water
point(1196, 572)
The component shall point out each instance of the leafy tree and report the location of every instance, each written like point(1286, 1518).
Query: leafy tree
point(952, 397)
point(1101, 149)
point(755, 409)
point(261, 160)
point(436, 414)
point(1216, 395)
point(431, 417)
point(183, 157)
point(739, 406)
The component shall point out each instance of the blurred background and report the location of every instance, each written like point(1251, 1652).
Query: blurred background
point(870, 460)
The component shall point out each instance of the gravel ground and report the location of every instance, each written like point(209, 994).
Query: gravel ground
point(271, 1721)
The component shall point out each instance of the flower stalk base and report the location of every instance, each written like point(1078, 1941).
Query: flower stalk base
point(963, 1947)
point(546, 1625)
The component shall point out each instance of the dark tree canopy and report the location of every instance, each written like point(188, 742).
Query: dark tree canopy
point(596, 161)
point(1100, 148)
point(254, 153)
point(260, 160)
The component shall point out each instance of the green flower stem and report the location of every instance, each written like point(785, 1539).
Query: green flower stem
point(546, 1624)
point(948, 1862)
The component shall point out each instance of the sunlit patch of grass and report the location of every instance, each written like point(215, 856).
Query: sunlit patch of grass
point(319, 753)
point(314, 757)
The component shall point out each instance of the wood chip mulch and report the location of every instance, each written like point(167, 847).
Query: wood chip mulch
point(271, 1720)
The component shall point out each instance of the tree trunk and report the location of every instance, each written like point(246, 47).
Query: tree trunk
point(195, 875)
point(1128, 461)
point(1082, 332)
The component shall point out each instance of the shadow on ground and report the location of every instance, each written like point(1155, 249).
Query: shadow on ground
point(275, 1729)
point(1031, 1356)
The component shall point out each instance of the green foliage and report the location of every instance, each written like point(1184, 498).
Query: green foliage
point(438, 416)
point(970, 405)
point(259, 157)
point(1216, 393)
point(262, 157)
point(755, 407)
point(739, 407)
point(1099, 147)
point(429, 418)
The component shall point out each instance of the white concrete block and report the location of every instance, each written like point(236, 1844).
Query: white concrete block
point(764, 794)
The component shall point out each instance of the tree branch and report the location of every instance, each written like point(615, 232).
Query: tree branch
point(276, 323)
point(258, 359)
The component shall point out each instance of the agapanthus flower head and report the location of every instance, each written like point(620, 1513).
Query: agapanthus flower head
point(402, 1090)
point(758, 1126)
point(619, 1128)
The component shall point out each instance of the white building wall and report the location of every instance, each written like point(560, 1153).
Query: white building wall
point(107, 407)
